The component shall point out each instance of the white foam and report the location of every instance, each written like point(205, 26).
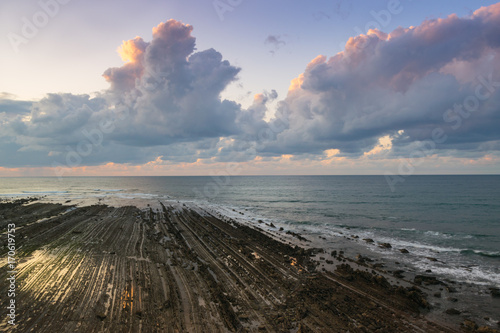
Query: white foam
point(108, 190)
point(136, 195)
point(437, 234)
point(45, 192)
point(471, 275)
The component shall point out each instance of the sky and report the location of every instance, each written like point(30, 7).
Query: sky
point(239, 87)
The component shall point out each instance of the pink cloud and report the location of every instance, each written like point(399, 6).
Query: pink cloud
point(405, 80)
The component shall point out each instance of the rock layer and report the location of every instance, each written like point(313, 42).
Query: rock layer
point(178, 269)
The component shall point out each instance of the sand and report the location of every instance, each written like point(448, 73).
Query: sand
point(174, 268)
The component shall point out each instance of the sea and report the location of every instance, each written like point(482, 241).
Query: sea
point(449, 225)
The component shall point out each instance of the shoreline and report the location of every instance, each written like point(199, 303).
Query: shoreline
point(100, 268)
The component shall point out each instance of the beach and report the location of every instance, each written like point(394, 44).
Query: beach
point(172, 267)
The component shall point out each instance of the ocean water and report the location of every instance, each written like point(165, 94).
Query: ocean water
point(455, 219)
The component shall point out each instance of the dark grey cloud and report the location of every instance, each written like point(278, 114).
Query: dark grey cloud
point(275, 41)
point(13, 107)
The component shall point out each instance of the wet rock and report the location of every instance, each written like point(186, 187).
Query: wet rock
point(426, 280)
point(361, 259)
point(415, 295)
point(298, 236)
point(398, 273)
point(368, 240)
point(385, 245)
point(316, 302)
point(453, 311)
point(437, 295)
point(380, 280)
point(404, 251)
point(495, 292)
point(451, 289)
point(431, 258)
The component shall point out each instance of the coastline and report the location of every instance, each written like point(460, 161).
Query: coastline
point(172, 268)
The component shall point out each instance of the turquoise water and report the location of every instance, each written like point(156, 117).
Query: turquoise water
point(455, 219)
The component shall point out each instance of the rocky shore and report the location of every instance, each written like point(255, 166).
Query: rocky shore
point(173, 268)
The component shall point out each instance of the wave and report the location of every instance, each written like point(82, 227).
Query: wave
point(136, 195)
point(399, 243)
point(108, 190)
point(474, 275)
point(437, 234)
point(284, 201)
point(481, 253)
point(45, 192)
point(445, 235)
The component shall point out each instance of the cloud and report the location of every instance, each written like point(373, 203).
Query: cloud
point(405, 80)
point(164, 95)
point(382, 97)
point(9, 106)
point(172, 93)
point(276, 42)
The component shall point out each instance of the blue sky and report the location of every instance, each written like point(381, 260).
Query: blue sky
point(80, 42)
point(267, 44)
